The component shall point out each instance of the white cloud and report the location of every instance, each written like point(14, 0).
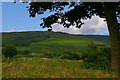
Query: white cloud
point(95, 26)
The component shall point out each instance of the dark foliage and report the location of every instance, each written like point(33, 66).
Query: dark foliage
point(83, 56)
point(81, 10)
point(23, 38)
point(98, 58)
point(70, 56)
point(9, 51)
point(92, 47)
point(49, 29)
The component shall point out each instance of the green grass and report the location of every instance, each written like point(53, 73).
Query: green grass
point(51, 42)
point(23, 48)
point(26, 38)
point(37, 67)
point(60, 44)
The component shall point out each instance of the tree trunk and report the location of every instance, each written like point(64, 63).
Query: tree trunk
point(110, 13)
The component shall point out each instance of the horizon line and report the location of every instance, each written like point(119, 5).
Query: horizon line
point(51, 31)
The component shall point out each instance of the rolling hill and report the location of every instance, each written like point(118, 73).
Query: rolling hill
point(52, 42)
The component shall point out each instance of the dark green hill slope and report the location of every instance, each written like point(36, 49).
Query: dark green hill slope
point(52, 42)
point(23, 38)
point(26, 38)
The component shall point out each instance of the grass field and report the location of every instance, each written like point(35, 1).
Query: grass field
point(55, 43)
point(36, 67)
point(59, 45)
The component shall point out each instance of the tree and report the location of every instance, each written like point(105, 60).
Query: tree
point(9, 51)
point(98, 58)
point(83, 10)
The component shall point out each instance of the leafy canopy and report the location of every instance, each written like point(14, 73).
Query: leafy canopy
point(80, 11)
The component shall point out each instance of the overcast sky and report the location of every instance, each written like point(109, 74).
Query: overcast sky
point(15, 17)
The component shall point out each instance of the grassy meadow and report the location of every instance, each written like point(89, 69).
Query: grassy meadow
point(39, 43)
point(57, 43)
point(36, 67)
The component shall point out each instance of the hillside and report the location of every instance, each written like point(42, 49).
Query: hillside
point(25, 38)
point(52, 42)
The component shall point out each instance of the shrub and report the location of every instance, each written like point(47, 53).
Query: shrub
point(9, 51)
point(70, 56)
point(98, 59)
point(91, 47)
point(83, 56)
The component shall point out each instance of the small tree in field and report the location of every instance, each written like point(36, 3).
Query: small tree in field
point(98, 58)
point(9, 51)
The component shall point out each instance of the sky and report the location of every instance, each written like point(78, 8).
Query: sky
point(15, 18)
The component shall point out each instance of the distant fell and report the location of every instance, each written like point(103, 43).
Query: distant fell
point(28, 37)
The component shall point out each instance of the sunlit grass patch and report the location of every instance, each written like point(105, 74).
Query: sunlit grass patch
point(50, 68)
